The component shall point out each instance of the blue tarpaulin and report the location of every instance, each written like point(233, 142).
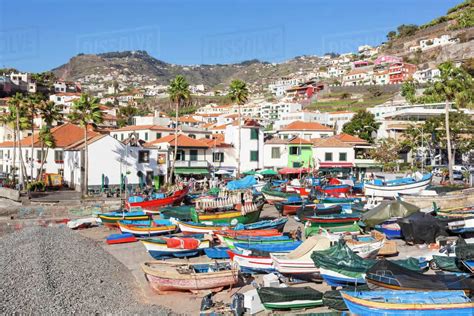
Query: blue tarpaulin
point(244, 183)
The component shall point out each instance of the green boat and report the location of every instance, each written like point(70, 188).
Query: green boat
point(183, 212)
point(315, 230)
point(232, 217)
point(273, 196)
point(290, 297)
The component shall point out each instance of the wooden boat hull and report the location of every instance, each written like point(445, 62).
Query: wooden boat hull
point(361, 306)
point(316, 230)
point(395, 190)
point(162, 282)
point(331, 222)
point(250, 264)
point(298, 304)
point(335, 279)
point(160, 250)
point(153, 206)
point(231, 218)
point(112, 220)
point(229, 241)
point(336, 190)
point(147, 231)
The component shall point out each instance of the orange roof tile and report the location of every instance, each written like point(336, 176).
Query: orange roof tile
point(219, 127)
point(342, 112)
point(346, 138)
point(329, 142)
point(299, 141)
point(306, 126)
point(183, 141)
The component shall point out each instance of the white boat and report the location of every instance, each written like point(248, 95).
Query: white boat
point(394, 188)
point(299, 260)
point(462, 226)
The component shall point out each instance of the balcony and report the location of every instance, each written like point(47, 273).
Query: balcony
point(192, 164)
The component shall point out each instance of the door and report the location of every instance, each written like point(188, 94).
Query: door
point(149, 178)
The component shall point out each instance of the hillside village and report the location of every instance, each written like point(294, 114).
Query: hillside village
point(297, 119)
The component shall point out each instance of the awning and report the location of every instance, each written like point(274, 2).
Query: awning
point(191, 171)
point(288, 170)
point(368, 165)
point(336, 165)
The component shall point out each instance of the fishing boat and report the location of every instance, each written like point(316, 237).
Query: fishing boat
point(299, 260)
point(457, 212)
point(147, 228)
point(112, 218)
point(279, 247)
point(247, 233)
point(320, 209)
point(153, 206)
point(160, 248)
point(230, 241)
point(408, 303)
point(353, 228)
point(394, 188)
point(182, 212)
point(462, 226)
point(272, 195)
point(245, 214)
point(217, 252)
point(293, 207)
point(388, 275)
point(333, 220)
point(120, 239)
point(251, 261)
point(200, 228)
point(173, 276)
point(289, 298)
point(365, 245)
point(335, 190)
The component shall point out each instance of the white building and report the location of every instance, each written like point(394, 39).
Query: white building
point(251, 140)
point(357, 77)
point(146, 133)
point(274, 111)
point(279, 87)
point(332, 153)
point(426, 75)
point(438, 41)
point(275, 153)
point(109, 160)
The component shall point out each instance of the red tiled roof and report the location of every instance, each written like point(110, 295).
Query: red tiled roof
point(183, 141)
point(346, 138)
point(306, 126)
point(329, 142)
point(64, 135)
point(298, 141)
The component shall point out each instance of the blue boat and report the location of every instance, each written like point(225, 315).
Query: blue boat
point(391, 229)
point(217, 252)
point(278, 224)
point(375, 303)
point(282, 247)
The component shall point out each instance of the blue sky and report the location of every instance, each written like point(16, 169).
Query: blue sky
point(38, 35)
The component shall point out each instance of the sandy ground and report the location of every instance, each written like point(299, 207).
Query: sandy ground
point(133, 254)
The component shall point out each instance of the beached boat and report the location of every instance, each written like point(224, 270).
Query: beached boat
point(366, 245)
point(334, 220)
point(280, 247)
point(153, 206)
point(200, 228)
point(247, 233)
point(230, 241)
point(408, 303)
point(173, 276)
point(182, 212)
point(248, 213)
point(289, 298)
point(112, 218)
point(120, 239)
point(320, 209)
point(251, 262)
point(272, 195)
point(391, 229)
point(462, 226)
point(178, 247)
point(335, 190)
point(292, 208)
point(394, 188)
point(217, 252)
point(299, 260)
point(147, 228)
point(311, 230)
point(388, 275)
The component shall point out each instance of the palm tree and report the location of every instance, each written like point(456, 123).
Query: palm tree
point(32, 103)
point(9, 119)
point(453, 85)
point(86, 111)
point(238, 93)
point(178, 92)
point(50, 113)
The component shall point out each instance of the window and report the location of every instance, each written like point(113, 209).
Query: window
point(180, 155)
point(295, 150)
point(158, 135)
point(328, 157)
point(143, 156)
point(307, 136)
point(193, 155)
point(146, 136)
point(121, 136)
point(39, 155)
point(297, 164)
point(58, 156)
point(218, 157)
point(253, 133)
point(61, 172)
point(192, 136)
point(275, 152)
point(254, 155)
point(342, 156)
point(115, 136)
point(1, 168)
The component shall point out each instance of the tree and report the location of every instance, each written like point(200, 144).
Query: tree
point(375, 91)
point(386, 153)
point(407, 30)
point(86, 111)
point(391, 35)
point(408, 90)
point(50, 113)
point(178, 92)
point(453, 85)
point(239, 93)
point(362, 125)
point(125, 115)
point(419, 136)
point(33, 102)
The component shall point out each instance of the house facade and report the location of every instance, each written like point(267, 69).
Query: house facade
point(305, 130)
point(146, 133)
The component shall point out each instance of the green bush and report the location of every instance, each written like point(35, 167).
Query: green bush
point(35, 186)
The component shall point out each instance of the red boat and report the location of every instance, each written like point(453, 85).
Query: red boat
point(253, 233)
point(153, 206)
point(336, 190)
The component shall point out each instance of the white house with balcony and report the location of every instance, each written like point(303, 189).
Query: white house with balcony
point(144, 132)
point(279, 87)
point(305, 130)
point(426, 75)
point(275, 153)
